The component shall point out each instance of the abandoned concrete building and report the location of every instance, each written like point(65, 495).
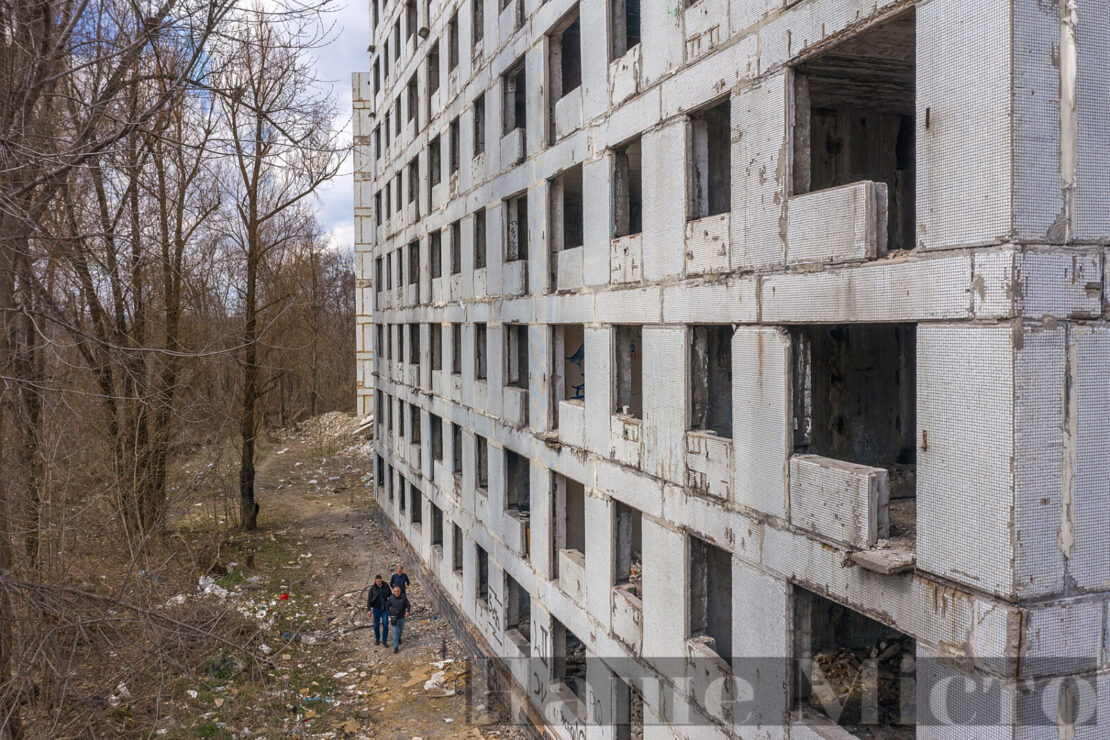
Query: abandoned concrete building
point(741, 367)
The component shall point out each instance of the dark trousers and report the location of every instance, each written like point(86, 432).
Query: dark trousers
point(381, 624)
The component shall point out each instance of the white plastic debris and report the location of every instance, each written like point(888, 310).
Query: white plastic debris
point(207, 585)
point(192, 693)
point(266, 649)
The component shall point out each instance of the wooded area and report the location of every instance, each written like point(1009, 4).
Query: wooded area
point(164, 288)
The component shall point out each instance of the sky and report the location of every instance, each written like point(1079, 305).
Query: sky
point(334, 64)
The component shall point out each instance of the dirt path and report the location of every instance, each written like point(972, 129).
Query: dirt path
point(317, 545)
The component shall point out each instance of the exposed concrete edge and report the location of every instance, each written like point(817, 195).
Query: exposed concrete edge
point(520, 708)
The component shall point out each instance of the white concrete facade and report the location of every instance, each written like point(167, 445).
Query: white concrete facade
point(914, 426)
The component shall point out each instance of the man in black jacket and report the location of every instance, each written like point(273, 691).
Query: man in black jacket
point(375, 609)
point(398, 607)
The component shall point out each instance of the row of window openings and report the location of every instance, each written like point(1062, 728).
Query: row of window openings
point(854, 385)
point(849, 126)
point(565, 49)
point(826, 632)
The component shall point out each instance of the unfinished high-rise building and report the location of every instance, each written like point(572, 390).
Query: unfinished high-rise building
point(749, 358)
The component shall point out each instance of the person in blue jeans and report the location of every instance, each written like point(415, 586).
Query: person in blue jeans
point(398, 607)
point(375, 609)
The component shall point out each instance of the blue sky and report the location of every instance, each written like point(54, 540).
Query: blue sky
point(334, 64)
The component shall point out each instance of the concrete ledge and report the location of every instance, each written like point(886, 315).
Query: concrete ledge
point(838, 224)
point(624, 75)
point(710, 677)
point(572, 423)
point(439, 293)
point(626, 434)
point(838, 500)
point(514, 405)
point(479, 283)
point(628, 617)
point(568, 113)
point(569, 274)
point(572, 574)
point(512, 147)
point(514, 278)
point(709, 464)
point(626, 259)
point(516, 531)
point(707, 245)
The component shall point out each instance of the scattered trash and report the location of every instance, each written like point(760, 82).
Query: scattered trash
point(176, 600)
point(341, 674)
point(192, 693)
point(266, 649)
point(282, 451)
point(207, 585)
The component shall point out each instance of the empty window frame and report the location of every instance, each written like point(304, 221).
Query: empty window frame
point(403, 498)
point(414, 102)
point(378, 141)
point(417, 504)
point(435, 253)
point(414, 263)
point(570, 362)
point(628, 538)
point(710, 380)
point(481, 248)
point(481, 352)
point(710, 596)
point(516, 355)
point(855, 399)
point(453, 42)
point(514, 83)
point(477, 20)
point(569, 654)
point(377, 76)
point(855, 119)
point(624, 25)
point(629, 711)
point(516, 227)
point(375, 12)
point(454, 142)
point(435, 164)
point(517, 483)
point(710, 161)
point(853, 669)
point(437, 526)
point(433, 73)
point(389, 483)
point(414, 425)
point(481, 462)
point(565, 48)
point(456, 549)
point(518, 603)
point(435, 332)
point(397, 119)
point(388, 200)
point(456, 247)
point(456, 349)
point(397, 40)
point(479, 124)
point(456, 449)
point(481, 581)
point(628, 198)
point(414, 344)
point(436, 430)
point(570, 523)
point(567, 213)
point(414, 180)
point(385, 57)
point(378, 218)
point(410, 19)
point(628, 372)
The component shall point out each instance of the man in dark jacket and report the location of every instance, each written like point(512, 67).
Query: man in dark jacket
point(375, 609)
point(398, 607)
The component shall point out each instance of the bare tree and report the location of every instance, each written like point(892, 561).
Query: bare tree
point(280, 133)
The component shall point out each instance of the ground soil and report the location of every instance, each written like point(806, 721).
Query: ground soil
point(316, 543)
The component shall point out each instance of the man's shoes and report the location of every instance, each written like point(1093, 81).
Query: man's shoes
point(377, 642)
point(396, 649)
